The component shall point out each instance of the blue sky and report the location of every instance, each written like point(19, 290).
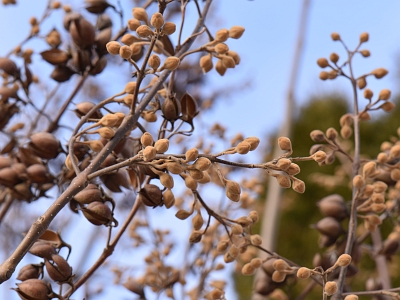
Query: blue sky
point(267, 49)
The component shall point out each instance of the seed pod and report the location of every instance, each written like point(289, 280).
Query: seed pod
point(98, 213)
point(8, 66)
point(190, 183)
point(146, 139)
point(365, 53)
point(45, 145)
point(42, 249)
point(346, 131)
point(322, 62)
point(222, 35)
point(166, 180)
point(171, 109)
point(253, 215)
point(221, 48)
point(243, 148)
point(334, 57)
point(202, 163)
point(330, 288)
point(140, 14)
point(384, 94)
point(130, 87)
point(343, 260)
point(206, 62)
point(8, 177)
point(161, 146)
point(30, 272)
point(255, 239)
point(33, 289)
point(38, 173)
point(125, 52)
point(220, 68)
point(96, 6)
point(157, 20)
point(369, 169)
point(154, 61)
point(329, 226)
point(171, 63)
point(244, 221)
point(298, 186)
point(191, 154)
point(293, 169)
point(82, 33)
point(233, 190)
point(285, 144)
point(59, 270)
point(236, 32)
point(236, 229)
point(169, 28)
point(324, 75)
point(364, 37)
point(133, 24)
point(206, 178)
point(368, 94)
point(228, 62)
point(151, 195)
point(283, 181)
point(362, 83)
point(387, 106)
point(278, 276)
point(335, 36)
point(283, 164)
point(195, 237)
point(379, 73)
point(144, 31)
point(248, 270)
point(169, 198)
point(89, 194)
point(303, 273)
point(197, 221)
point(319, 156)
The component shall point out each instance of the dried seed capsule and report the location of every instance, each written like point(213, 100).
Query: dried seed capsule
point(283, 181)
point(334, 57)
point(167, 180)
point(285, 144)
point(299, 186)
point(256, 240)
point(146, 139)
point(220, 68)
point(169, 198)
point(157, 20)
point(368, 94)
point(154, 61)
point(98, 213)
point(162, 146)
point(248, 270)
point(140, 14)
point(42, 249)
point(144, 31)
point(379, 73)
point(171, 63)
point(222, 35)
point(384, 94)
point(303, 273)
point(30, 272)
point(169, 28)
point(278, 276)
point(329, 226)
point(34, 289)
point(364, 37)
point(236, 32)
point(195, 237)
point(151, 195)
point(191, 154)
point(202, 164)
point(59, 270)
point(221, 48)
point(330, 288)
point(335, 36)
point(322, 62)
point(149, 153)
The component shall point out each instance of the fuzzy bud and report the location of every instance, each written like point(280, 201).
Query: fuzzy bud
point(330, 288)
point(285, 144)
point(384, 94)
point(157, 20)
point(169, 198)
point(387, 106)
point(283, 181)
point(253, 215)
point(146, 139)
point(165, 179)
point(133, 24)
point(236, 32)
point(379, 73)
point(331, 133)
point(206, 63)
point(162, 145)
point(130, 87)
point(171, 63)
point(343, 260)
point(358, 182)
point(221, 48)
point(303, 273)
point(299, 186)
point(365, 53)
point(113, 47)
point(125, 52)
point(154, 61)
point(144, 31)
point(319, 156)
point(364, 37)
point(149, 153)
point(334, 57)
point(222, 246)
point(256, 262)
point(346, 131)
point(192, 154)
point(195, 237)
point(248, 270)
point(324, 75)
point(293, 169)
point(283, 164)
point(169, 28)
point(190, 183)
point(335, 36)
point(140, 14)
point(369, 169)
point(322, 62)
point(243, 148)
point(351, 297)
point(222, 35)
point(256, 240)
point(253, 141)
point(362, 83)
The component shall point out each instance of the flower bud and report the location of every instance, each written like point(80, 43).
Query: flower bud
point(244, 221)
point(195, 237)
point(248, 270)
point(298, 186)
point(395, 174)
point(351, 297)
point(222, 245)
point(146, 139)
point(256, 262)
point(256, 240)
point(368, 94)
point(364, 37)
point(190, 183)
point(283, 164)
point(379, 73)
point(169, 28)
point(285, 144)
point(233, 190)
point(317, 136)
point(253, 215)
point(154, 61)
point(293, 169)
point(171, 63)
point(191, 154)
point(133, 24)
point(151, 195)
point(236, 229)
point(324, 75)
point(361, 83)
point(221, 48)
point(319, 156)
point(228, 62)
point(140, 14)
point(384, 94)
point(330, 288)
point(222, 35)
point(144, 31)
point(303, 273)
point(343, 260)
point(157, 20)
point(162, 145)
point(322, 62)
point(202, 164)
point(197, 222)
point(283, 181)
point(125, 52)
point(334, 57)
point(95, 145)
point(243, 148)
point(346, 131)
point(220, 68)
point(335, 36)
point(236, 32)
point(369, 169)
point(149, 153)
point(387, 106)
point(358, 182)
point(206, 62)
point(365, 53)
point(169, 198)
point(130, 87)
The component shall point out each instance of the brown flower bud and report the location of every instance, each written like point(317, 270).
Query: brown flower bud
point(169, 28)
point(228, 258)
point(395, 174)
point(329, 226)
point(285, 144)
point(94, 145)
point(128, 39)
point(171, 63)
point(280, 265)
point(140, 14)
point(216, 294)
point(183, 214)
point(162, 146)
point(157, 20)
point(244, 221)
point(334, 57)
point(222, 35)
point(222, 246)
point(133, 24)
point(154, 61)
point(197, 222)
point(303, 273)
point(358, 182)
point(206, 63)
point(248, 270)
point(343, 260)
point(346, 131)
point(351, 297)
point(195, 237)
point(221, 48)
point(379, 73)
point(169, 198)
point(324, 75)
point(362, 83)
point(293, 169)
point(322, 62)
point(149, 153)
point(167, 180)
point(236, 32)
point(234, 55)
point(317, 136)
point(364, 37)
point(335, 36)
point(365, 53)
point(149, 116)
point(368, 94)
point(387, 106)
point(243, 148)
point(220, 68)
point(227, 61)
point(384, 94)
point(191, 154)
point(283, 181)
point(253, 141)
point(364, 116)
point(233, 190)
point(369, 169)
point(125, 52)
point(236, 229)
point(319, 156)
point(146, 139)
point(298, 186)
point(130, 87)
point(255, 239)
point(283, 164)
point(144, 31)
point(330, 288)
point(190, 183)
